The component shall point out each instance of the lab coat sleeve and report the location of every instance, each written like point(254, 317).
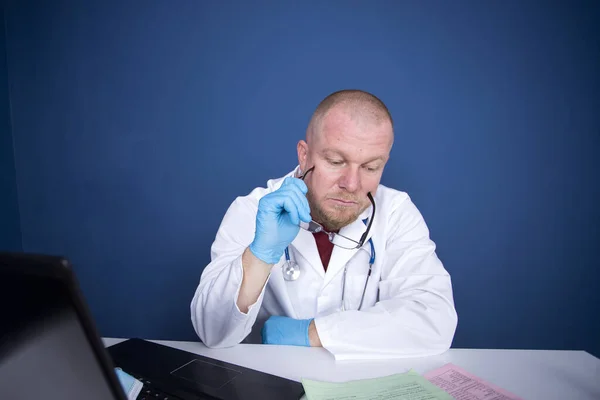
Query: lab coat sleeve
point(215, 315)
point(414, 315)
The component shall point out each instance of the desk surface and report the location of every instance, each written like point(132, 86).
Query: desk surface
point(530, 374)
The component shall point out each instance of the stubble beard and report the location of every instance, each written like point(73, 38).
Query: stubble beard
point(334, 221)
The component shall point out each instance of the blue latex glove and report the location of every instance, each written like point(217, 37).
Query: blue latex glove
point(285, 330)
point(278, 218)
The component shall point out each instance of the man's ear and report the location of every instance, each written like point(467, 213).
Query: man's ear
point(302, 149)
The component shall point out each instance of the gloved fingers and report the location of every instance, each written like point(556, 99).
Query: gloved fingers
point(275, 202)
point(283, 201)
point(282, 330)
point(301, 202)
point(292, 208)
point(299, 187)
point(291, 181)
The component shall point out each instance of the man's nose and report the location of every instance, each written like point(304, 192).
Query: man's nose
point(350, 179)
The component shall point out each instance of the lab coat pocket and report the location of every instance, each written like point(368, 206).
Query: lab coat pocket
point(358, 284)
point(300, 295)
point(353, 291)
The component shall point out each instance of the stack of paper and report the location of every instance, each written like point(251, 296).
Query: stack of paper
point(446, 383)
point(407, 386)
point(465, 386)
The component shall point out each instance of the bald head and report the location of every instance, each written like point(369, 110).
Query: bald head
point(362, 107)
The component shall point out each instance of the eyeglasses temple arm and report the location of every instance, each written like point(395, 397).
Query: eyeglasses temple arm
point(364, 236)
point(306, 173)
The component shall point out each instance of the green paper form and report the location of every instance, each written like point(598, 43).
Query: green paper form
point(407, 386)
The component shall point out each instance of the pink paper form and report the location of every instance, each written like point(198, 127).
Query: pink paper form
point(461, 385)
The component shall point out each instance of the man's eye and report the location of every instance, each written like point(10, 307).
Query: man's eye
point(335, 162)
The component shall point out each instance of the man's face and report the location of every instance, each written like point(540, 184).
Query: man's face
point(349, 155)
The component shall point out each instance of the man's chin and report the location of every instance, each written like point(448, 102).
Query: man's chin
point(333, 217)
point(336, 221)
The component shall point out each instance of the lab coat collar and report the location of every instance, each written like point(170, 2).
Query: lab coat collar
point(274, 184)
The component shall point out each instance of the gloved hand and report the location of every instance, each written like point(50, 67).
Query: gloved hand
point(285, 330)
point(278, 218)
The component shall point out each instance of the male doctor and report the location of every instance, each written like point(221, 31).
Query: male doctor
point(360, 278)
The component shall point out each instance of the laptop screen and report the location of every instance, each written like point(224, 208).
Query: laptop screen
point(44, 351)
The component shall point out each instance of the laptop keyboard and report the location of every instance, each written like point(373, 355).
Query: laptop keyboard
point(149, 392)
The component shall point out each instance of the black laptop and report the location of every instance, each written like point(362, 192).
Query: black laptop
point(50, 348)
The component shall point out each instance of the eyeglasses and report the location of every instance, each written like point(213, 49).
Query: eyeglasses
point(335, 238)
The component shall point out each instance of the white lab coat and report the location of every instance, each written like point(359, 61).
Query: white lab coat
point(408, 310)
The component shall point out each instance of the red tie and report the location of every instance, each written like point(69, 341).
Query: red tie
point(325, 247)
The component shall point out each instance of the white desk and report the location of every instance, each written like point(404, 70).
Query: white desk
point(530, 374)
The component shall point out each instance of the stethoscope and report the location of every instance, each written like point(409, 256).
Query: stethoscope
point(291, 271)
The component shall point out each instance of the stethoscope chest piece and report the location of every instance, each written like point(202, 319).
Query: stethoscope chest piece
point(291, 270)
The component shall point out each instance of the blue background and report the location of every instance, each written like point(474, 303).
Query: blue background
point(128, 129)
